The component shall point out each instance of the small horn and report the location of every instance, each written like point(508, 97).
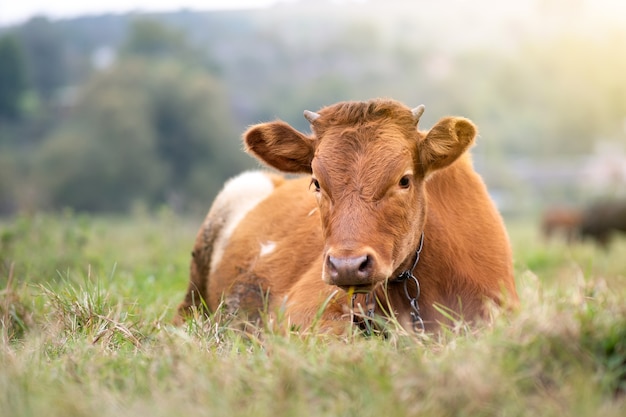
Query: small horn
point(311, 116)
point(417, 112)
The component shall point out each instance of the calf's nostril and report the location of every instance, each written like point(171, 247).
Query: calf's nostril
point(366, 264)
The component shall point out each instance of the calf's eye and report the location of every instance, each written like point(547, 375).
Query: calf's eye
point(405, 182)
point(315, 183)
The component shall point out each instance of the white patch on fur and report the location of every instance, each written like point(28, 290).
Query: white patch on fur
point(239, 195)
point(267, 248)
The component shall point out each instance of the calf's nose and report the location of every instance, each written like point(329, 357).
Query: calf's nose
point(350, 270)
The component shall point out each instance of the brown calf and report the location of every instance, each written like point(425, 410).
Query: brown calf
point(563, 221)
point(374, 185)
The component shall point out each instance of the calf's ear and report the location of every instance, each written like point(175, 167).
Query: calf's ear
point(445, 142)
point(280, 146)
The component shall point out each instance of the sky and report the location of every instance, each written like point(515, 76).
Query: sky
point(18, 11)
point(597, 15)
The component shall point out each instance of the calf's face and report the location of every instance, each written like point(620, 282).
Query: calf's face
point(368, 165)
point(370, 198)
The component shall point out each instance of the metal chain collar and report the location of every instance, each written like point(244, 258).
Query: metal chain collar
point(404, 277)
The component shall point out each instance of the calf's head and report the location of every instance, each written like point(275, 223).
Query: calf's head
point(368, 164)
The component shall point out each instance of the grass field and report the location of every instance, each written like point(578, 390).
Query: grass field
point(86, 305)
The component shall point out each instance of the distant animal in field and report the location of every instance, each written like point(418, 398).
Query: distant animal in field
point(561, 221)
point(603, 219)
point(386, 219)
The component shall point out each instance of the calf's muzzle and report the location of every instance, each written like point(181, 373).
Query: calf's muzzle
point(348, 271)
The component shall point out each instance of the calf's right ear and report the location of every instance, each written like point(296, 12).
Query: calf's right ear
point(280, 146)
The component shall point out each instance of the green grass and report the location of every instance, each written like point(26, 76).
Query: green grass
point(86, 305)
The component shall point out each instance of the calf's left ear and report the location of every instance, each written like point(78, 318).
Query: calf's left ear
point(280, 146)
point(445, 142)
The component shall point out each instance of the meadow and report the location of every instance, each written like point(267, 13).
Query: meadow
point(86, 305)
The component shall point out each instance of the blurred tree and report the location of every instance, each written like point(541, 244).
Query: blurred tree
point(154, 127)
point(142, 132)
point(192, 125)
point(12, 78)
point(45, 56)
point(152, 39)
point(104, 158)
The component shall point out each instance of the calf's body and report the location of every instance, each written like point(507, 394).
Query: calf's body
point(374, 185)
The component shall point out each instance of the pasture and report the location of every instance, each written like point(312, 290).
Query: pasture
point(86, 305)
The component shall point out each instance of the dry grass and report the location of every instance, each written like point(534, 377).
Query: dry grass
point(94, 339)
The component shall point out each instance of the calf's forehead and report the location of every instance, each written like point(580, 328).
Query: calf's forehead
point(360, 150)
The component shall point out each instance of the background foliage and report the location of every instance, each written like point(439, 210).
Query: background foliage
point(102, 113)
